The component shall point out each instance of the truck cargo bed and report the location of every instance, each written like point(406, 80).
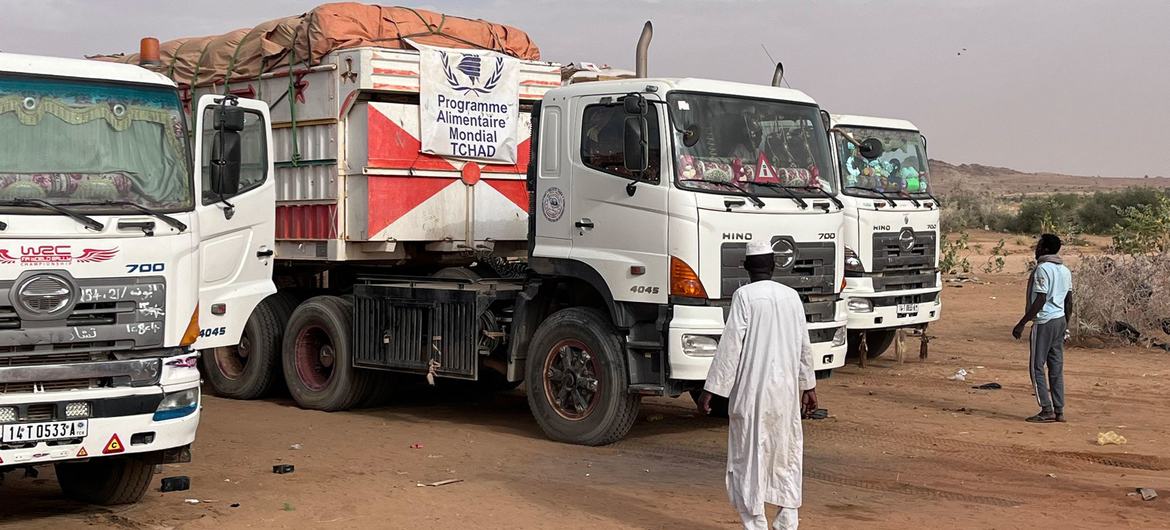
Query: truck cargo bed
point(351, 182)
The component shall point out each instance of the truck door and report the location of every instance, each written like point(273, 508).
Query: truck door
point(236, 222)
point(619, 235)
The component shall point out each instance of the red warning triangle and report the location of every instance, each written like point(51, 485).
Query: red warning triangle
point(764, 171)
point(113, 446)
point(82, 452)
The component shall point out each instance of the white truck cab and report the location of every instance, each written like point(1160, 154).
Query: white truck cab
point(891, 229)
point(103, 217)
point(727, 163)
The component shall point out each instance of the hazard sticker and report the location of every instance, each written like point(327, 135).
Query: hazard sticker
point(82, 452)
point(113, 446)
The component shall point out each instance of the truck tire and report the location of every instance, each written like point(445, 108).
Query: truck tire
point(577, 383)
point(106, 481)
point(318, 359)
point(249, 369)
point(877, 341)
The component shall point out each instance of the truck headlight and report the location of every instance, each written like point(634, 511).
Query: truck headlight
point(860, 305)
point(852, 262)
point(699, 345)
point(7, 414)
point(839, 337)
point(177, 404)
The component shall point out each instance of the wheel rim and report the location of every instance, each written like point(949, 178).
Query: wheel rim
point(572, 380)
point(233, 360)
point(315, 357)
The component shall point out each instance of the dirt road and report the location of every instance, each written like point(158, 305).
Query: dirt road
point(905, 448)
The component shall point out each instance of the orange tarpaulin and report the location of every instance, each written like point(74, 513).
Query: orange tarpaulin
point(247, 53)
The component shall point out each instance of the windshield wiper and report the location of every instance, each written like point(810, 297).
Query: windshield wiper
point(177, 224)
point(755, 198)
point(86, 220)
point(830, 196)
point(787, 191)
point(883, 194)
point(912, 199)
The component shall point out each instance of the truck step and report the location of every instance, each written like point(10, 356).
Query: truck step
point(647, 389)
point(644, 345)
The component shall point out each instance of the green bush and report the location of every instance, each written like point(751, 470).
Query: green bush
point(1068, 215)
point(967, 209)
point(1143, 229)
point(1100, 212)
point(1059, 210)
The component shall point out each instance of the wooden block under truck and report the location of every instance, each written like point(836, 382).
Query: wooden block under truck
point(892, 279)
point(108, 240)
point(597, 267)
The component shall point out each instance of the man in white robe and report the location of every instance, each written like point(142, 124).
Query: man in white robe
point(764, 367)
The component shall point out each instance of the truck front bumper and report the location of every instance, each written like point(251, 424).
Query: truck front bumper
point(121, 421)
point(869, 310)
point(707, 321)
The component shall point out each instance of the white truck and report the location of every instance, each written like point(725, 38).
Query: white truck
point(892, 279)
point(108, 239)
point(598, 268)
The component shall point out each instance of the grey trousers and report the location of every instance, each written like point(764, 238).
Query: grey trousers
point(1048, 351)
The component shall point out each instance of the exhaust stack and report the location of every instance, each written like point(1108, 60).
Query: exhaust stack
point(778, 75)
point(148, 54)
point(640, 58)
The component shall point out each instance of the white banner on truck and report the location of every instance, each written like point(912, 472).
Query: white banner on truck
point(469, 103)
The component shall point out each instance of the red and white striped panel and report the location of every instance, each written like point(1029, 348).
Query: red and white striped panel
point(419, 197)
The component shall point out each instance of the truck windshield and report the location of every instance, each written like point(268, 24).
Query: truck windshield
point(760, 145)
point(900, 170)
point(71, 141)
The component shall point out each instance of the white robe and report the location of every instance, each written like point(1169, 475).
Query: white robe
point(763, 364)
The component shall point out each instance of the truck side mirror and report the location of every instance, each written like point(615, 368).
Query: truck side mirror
point(637, 149)
point(635, 104)
point(871, 148)
point(225, 150)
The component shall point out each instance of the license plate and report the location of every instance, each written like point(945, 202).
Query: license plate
point(43, 432)
point(907, 308)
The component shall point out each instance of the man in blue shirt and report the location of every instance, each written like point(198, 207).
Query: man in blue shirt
point(1050, 303)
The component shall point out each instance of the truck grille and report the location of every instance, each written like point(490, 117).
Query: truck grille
point(100, 314)
point(40, 412)
point(48, 386)
point(811, 275)
point(921, 298)
point(904, 260)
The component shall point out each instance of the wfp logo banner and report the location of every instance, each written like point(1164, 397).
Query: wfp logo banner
point(469, 103)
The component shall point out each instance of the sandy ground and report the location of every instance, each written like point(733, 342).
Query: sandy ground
point(905, 447)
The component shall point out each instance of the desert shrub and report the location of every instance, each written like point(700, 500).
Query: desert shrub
point(1100, 212)
point(968, 209)
point(954, 254)
point(1132, 289)
point(1143, 229)
point(996, 261)
point(1047, 214)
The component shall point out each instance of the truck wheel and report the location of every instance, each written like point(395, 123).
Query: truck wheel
point(577, 385)
point(106, 481)
point(317, 360)
point(247, 370)
point(877, 341)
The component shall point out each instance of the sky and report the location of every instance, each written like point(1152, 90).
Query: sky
point(1070, 86)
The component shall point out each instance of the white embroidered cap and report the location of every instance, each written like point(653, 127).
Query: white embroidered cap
point(759, 248)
